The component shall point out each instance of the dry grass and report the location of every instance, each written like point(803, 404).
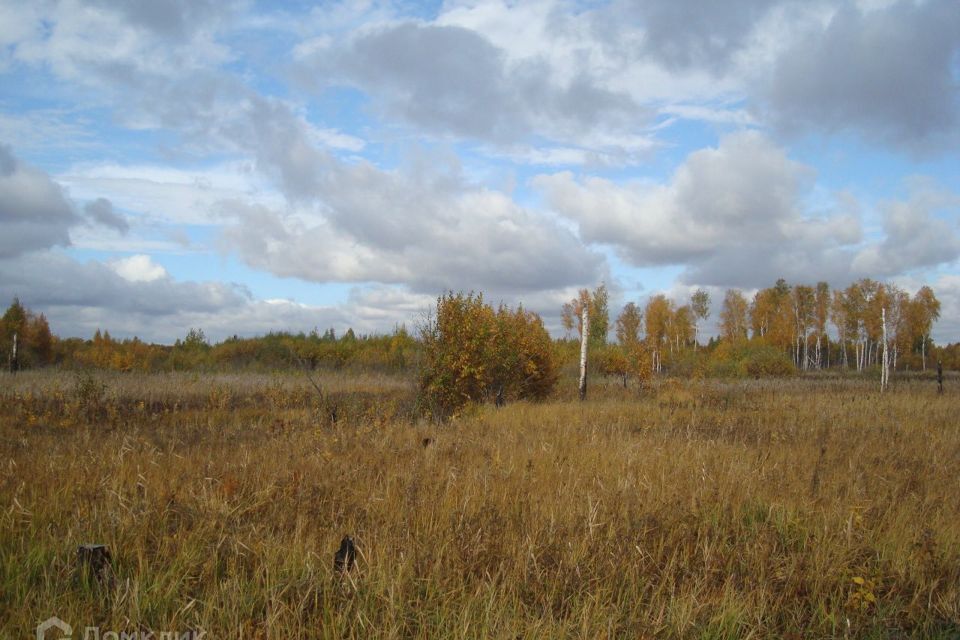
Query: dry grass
point(754, 509)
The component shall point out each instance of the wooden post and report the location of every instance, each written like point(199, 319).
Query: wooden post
point(14, 362)
point(584, 335)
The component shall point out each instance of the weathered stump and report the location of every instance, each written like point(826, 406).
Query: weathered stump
point(345, 556)
point(96, 559)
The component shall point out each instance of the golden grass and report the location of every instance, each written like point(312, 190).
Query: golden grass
point(799, 508)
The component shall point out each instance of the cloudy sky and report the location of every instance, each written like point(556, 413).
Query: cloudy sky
point(246, 167)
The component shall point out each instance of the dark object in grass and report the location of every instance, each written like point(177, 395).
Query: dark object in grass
point(939, 376)
point(344, 558)
point(426, 442)
point(96, 559)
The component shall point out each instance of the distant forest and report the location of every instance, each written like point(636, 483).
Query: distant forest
point(782, 330)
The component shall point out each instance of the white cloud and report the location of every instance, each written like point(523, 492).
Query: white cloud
point(430, 230)
point(169, 195)
point(138, 268)
point(947, 289)
point(121, 40)
point(450, 80)
point(914, 237)
point(730, 213)
point(545, 82)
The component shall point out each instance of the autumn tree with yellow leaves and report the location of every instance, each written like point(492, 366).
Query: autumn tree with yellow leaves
point(472, 352)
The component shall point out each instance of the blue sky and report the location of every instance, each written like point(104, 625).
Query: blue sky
point(246, 167)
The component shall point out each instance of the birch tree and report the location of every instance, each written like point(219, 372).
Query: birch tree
point(597, 304)
point(838, 316)
point(733, 316)
point(657, 317)
point(628, 325)
point(804, 310)
point(926, 311)
point(682, 327)
point(822, 313)
point(700, 305)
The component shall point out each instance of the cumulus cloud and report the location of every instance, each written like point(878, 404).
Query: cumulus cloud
point(170, 18)
point(138, 268)
point(888, 73)
point(163, 194)
point(685, 34)
point(885, 71)
point(34, 210)
point(947, 289)
point(48, 279)
point(732, 214)
point(539, 82)
point(431, 231)
point(101, 212)
point(451, 80)
point(102, 43)
point(914, 236)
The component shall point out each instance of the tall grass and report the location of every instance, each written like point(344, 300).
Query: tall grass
point(804, 508)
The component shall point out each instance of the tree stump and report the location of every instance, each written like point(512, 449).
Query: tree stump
point(96, 559)
point(345, 556)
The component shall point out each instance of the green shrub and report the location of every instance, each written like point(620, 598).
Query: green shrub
point(765, 360)
point(741, 359)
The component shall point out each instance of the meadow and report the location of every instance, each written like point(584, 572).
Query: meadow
point(810, 507)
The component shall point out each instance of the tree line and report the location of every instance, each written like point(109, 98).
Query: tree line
point(396, 351)
point(819, 327)
point(780, 330)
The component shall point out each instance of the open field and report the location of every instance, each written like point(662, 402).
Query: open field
point(795, 508)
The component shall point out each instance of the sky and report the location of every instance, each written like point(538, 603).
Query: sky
point(246, 167)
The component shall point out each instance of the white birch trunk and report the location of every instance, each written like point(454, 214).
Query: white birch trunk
point(885, 369)
point(584, 335)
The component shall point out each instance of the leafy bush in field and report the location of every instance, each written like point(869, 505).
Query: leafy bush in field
point(612, 360)
point(717, 368)
point(522, 355)
point(741, 359)
point(764, 360)
point(471, 352)
point(624, 362)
